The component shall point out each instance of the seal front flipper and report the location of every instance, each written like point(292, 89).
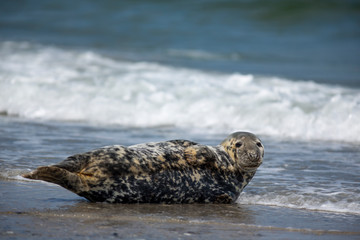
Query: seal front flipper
point(200, 155)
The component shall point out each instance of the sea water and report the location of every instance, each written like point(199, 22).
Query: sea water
point(42, 82)
point(78, 76)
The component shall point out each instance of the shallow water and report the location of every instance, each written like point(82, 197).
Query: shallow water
point(302, 189)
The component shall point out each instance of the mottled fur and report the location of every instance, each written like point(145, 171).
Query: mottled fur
point(177, 171)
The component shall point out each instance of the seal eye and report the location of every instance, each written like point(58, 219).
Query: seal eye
point(259, 144)
point(239, 144)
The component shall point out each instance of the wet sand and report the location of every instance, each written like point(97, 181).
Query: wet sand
point(57, 213)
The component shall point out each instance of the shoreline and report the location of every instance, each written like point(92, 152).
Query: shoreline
point(137, 221)
point(27, 212)
point(148, 219)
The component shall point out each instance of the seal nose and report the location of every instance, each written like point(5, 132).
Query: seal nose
point(254, 154)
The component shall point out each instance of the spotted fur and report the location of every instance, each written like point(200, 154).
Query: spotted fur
point(177, 171)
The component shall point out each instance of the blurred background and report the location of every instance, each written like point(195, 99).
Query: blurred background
point(298, 39)
point(276, 67)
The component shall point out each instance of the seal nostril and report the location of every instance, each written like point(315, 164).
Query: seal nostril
point(259, 144)
point(253, 155)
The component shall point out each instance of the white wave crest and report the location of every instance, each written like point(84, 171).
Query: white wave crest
point(41, 82)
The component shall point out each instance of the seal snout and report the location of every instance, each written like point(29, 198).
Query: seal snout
point(254, 155)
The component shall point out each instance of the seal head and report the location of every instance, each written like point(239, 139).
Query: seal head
point(245, 149)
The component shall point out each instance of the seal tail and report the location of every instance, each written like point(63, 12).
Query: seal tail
point(69, 180)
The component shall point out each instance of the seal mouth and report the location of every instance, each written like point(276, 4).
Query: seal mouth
point(250, 162)
point(250, 167)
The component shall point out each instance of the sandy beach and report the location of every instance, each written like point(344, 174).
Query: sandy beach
point(66, 216)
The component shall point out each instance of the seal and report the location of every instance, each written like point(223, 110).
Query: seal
point(176, 171)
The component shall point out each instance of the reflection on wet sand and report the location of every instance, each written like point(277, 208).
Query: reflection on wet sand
point(147, 221)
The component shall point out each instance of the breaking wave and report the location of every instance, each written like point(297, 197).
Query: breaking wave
point(43, 82)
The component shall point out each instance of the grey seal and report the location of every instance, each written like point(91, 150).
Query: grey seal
point(176, 171)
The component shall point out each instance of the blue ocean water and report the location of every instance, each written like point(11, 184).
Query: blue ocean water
point(300, 39)
point(77, 75)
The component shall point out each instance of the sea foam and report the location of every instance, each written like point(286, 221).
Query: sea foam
point(314, 201)
point(42, 82)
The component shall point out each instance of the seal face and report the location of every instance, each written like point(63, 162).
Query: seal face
point(177, 171)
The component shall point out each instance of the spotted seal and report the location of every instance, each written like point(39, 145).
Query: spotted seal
point(177, 171)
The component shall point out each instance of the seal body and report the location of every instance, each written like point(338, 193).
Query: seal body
point(177, 171)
